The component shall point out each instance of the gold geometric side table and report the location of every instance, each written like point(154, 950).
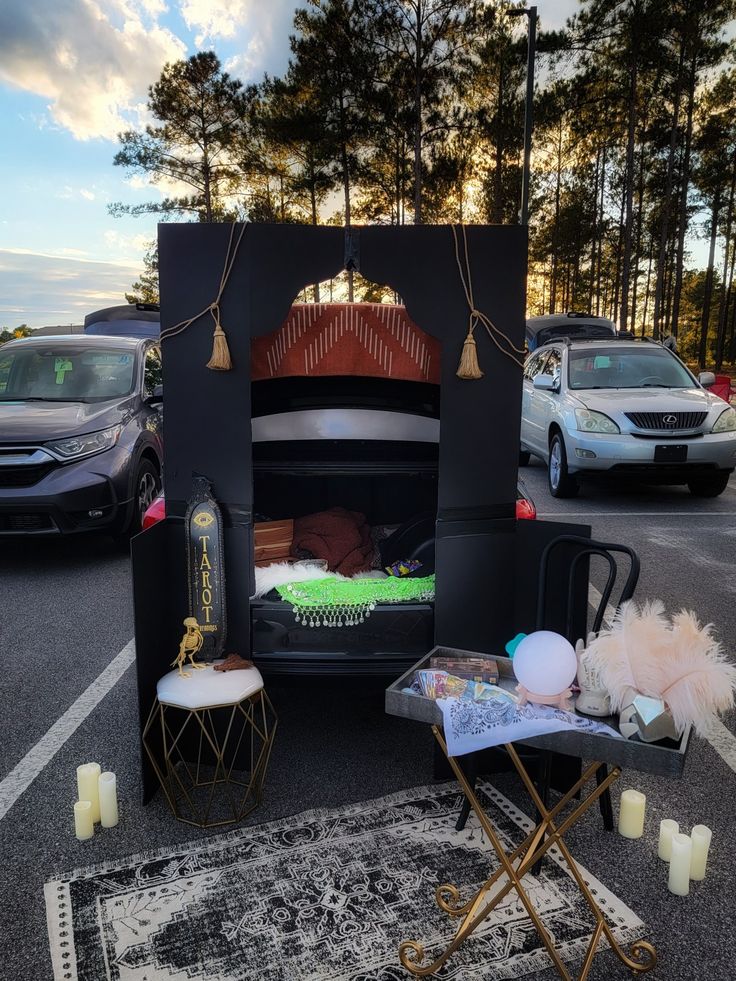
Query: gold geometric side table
point(209, 738)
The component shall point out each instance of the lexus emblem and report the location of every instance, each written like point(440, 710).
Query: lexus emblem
point(669, 420)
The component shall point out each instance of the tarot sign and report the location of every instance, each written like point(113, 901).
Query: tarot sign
point(206, 568)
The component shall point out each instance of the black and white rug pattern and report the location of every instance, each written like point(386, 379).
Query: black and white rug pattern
point(321, 896)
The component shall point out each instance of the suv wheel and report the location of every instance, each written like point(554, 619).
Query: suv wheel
point(145, 490)
point(561, 484)
point(709, 486)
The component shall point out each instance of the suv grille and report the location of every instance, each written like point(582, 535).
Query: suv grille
point(26, 522)
point(667, 421)
point(23, 476)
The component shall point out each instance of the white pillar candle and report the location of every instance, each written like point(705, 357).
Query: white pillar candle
point(84, 826)
point(679, 881)
point(87, 776)
point(631, 814)
point(700, 836)
point(667, 828)
point(108, 799)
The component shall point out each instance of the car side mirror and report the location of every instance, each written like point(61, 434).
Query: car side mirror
point(157, 397)
point(706, 379)
point(545, 383)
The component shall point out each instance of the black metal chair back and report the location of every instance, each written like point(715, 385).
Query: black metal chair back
point(587, 549)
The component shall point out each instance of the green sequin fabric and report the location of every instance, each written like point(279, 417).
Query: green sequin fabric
point(345, 603)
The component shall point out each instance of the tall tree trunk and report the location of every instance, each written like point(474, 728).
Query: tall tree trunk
point(684, 189)
point(345, 180)
point(498, 171)
point(617, 284)
point(703, 346)
point(729, 296)
point(418, 120)
point(556, 225)
point(629, 173)
point(594, 228)
point(721, 335)
point(637, 243)
point(601, 225)
point(313, 205)
point(647, 293)
point(664, 219)
point(207, 187)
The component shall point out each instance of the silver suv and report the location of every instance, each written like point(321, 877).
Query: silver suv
point(624, 408)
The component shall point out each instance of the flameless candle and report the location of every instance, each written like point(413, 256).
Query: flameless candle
point(667, 828)
point(87, 776)
point(679, 881)
point(83, 825)
point(631, 814)
point(108, 799)
point(701, 836)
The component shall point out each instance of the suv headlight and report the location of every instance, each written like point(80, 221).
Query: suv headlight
point(87, 445)
point(726, 422)
point(594, 422)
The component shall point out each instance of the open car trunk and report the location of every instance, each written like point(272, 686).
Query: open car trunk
point(387, 481)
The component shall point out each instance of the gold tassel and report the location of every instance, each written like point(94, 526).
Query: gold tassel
point(469, 367)
point(220, 360)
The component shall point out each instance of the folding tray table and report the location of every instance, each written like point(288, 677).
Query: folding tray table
point(664, 760)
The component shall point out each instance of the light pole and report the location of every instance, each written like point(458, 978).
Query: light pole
point(531, 13)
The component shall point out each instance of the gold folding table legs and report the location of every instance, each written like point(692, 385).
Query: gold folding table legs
point(203, 782)
point(514, 866)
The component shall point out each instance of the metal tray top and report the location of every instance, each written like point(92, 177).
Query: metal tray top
point(665, 759)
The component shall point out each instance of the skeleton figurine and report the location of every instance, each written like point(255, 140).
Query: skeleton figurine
point(191, 644)
point(593, 698)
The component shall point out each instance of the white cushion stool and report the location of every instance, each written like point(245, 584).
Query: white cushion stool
point(209, 738)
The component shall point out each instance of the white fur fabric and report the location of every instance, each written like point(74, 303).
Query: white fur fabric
point(268, 577)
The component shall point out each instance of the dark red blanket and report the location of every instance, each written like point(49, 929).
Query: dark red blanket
point(341, 537)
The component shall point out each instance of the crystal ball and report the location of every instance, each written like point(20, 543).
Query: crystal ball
point(545, 663)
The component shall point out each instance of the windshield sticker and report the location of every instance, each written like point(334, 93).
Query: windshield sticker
point(61, 366)
point(107, 359)
point(601, 361)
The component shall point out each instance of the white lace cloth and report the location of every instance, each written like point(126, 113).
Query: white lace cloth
point(470, 726)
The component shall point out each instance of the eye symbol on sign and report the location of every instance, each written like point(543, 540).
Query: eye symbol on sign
point(204, 519)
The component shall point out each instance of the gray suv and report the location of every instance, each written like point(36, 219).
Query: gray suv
point(81, 442)
point(624, 408)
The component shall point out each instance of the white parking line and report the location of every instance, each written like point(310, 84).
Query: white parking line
point(39, 756)
point(719, 736)
point(635, 514)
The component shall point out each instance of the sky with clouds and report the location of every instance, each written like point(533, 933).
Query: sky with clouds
point(74, 73)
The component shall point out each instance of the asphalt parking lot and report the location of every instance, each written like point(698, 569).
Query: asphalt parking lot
point(66, 617)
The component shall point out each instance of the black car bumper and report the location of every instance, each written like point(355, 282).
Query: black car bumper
point(89, 495)
point(390, 640)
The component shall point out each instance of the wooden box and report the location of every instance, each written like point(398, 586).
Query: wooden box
point(273, 541)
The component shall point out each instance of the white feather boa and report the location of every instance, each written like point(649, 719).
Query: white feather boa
point(679, 661)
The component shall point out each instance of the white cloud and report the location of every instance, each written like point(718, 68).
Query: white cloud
point(260, 27)
point(87, 195)
point(213, 18)
point(42, 289)
point(132, 245)
point(92, 59)
point(165, 186)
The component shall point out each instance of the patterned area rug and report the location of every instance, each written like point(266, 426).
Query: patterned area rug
point(321, 896)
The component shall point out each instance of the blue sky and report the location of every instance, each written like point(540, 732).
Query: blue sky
point(73, 73)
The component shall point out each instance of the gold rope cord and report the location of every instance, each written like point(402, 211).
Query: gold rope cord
point(469, 367)
point(220, 360)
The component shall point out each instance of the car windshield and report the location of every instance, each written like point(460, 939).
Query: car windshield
point(613, 367)
point(65, 374)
